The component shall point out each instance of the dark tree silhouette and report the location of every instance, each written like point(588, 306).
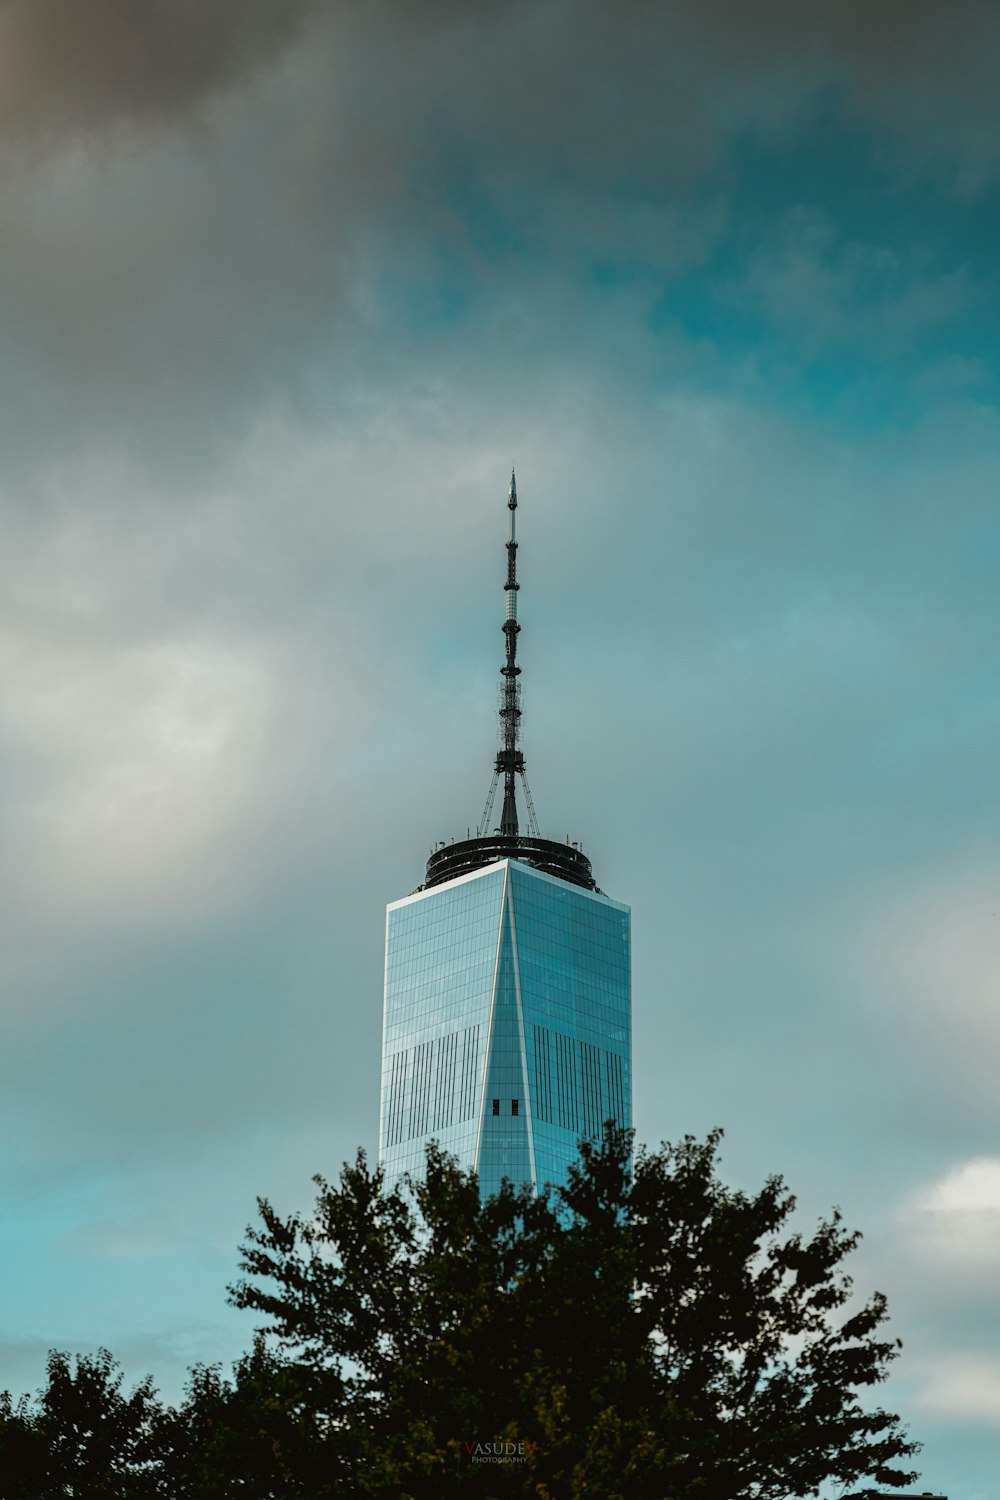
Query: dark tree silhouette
point(81, 1436)
point(255, 1436)
point(645, 1332)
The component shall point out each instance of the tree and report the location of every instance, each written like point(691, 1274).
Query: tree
point(255, 1436)
point(23, 1451)
point(81, 1436)
point(644, 1332)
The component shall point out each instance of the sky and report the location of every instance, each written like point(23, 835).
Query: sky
point(285, 289)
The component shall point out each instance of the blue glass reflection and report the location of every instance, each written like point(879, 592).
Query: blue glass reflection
point(507, 1024)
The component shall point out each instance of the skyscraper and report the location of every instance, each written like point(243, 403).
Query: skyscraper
point(507, 1022)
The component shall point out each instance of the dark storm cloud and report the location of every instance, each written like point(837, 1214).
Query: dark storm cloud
point(928, 73)
point(644, 95)
point(624, 95)
point(404, 168)
point(75, 67)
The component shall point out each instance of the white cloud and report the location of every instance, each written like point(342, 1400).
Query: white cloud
point(962, 1387)
point(972, 1189)
point(135, 718)
point(149, 751)
point(955, 1220)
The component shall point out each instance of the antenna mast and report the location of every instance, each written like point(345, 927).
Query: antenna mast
point(562, 861)
point(510, 759)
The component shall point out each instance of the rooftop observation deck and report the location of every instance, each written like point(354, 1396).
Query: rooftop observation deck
point(564, 861)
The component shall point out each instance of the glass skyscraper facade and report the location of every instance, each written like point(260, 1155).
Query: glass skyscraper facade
point(507, 1020)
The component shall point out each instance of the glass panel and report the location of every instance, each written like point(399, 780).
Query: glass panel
point(440, 959)
point(562, 1010)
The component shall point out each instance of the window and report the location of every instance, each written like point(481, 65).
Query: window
point(496, 1106)
point(513, 1106)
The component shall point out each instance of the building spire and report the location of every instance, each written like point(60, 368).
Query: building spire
point(513, 839)
point(510, 760)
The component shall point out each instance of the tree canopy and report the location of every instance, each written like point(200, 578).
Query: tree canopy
point(82, 1435)
point(643, 1332)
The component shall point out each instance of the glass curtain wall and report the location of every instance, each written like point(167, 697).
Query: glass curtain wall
point(507, 1024)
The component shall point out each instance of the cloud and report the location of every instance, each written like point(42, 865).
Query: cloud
point(134, 724)
point(616, 89)
point(953, 1223)
point(960, 1387)
point(150, 753)
point(598, 230)
point(821, 291)
point(971, 1191)
point(69, 68)
point(316, 191)
point(934, 948)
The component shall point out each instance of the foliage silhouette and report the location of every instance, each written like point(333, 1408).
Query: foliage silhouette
point(643, 1332)
point(646, 1331)
point(82, 1436)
